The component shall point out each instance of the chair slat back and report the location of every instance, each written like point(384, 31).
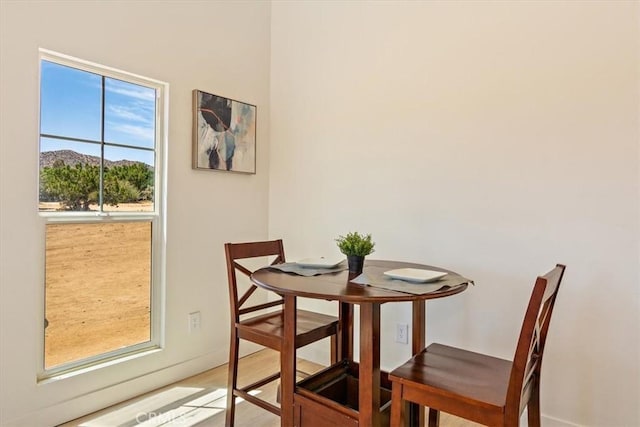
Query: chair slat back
point(533, 334)
point(242, 251)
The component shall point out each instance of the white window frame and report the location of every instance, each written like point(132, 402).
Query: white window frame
point(157, 218)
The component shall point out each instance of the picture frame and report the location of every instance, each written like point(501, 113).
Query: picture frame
point(224, 133)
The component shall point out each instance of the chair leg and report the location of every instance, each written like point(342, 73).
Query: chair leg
point(334, 349)
point(397, 405)
point(232, 382)
point(533, 407)
point(434, 417)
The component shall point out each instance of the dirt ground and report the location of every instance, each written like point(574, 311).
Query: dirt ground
point(98, 293)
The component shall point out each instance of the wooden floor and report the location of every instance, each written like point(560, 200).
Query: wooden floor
point(201, 400)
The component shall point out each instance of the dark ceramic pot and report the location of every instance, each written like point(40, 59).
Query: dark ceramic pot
point(356, 263)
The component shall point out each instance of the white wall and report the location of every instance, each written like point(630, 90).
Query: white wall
point(492, 138)
point(221, 47)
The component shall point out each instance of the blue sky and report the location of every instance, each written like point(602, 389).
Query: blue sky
point(71, 106)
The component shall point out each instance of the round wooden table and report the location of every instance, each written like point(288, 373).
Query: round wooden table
point(337, 287)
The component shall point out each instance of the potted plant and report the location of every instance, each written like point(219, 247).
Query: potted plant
point(355, 246)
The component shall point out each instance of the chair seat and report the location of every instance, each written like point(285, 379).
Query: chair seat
point(453, 373)
point(310, 326)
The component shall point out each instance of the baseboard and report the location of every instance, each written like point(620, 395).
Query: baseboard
point(95, 401)
point(549, 421)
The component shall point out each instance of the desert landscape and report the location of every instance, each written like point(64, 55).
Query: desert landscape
point(98, 293)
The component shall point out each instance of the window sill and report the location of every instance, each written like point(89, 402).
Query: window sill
point(47, 378)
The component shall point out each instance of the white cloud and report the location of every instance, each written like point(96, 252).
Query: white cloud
point(139, 132)
point(130, 90)
point(126, 113)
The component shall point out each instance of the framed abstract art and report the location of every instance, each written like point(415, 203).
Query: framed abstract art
point(224, 134)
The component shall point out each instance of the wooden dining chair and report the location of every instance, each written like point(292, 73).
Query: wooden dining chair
point(477, 387)
point(265, 329)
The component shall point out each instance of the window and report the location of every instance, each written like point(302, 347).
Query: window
point(100, 195)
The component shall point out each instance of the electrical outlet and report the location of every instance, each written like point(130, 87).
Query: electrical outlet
point(402, 333)
point(194, 321)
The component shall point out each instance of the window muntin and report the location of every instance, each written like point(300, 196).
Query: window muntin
point(141, 143)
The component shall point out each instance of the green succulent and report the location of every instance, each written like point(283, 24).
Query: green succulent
point(355, 243)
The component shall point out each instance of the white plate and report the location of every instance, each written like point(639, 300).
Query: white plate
point(320, 262)
point(415, 275)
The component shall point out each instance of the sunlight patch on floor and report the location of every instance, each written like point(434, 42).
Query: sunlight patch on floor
point(175, 407)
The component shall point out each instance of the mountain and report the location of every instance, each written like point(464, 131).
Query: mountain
point(71, 158)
